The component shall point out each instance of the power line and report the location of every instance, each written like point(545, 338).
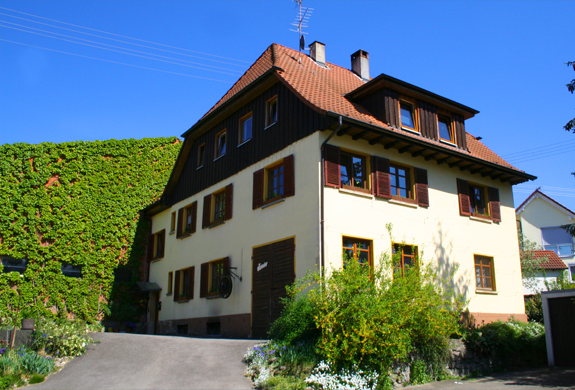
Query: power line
point(129, 43)
point(571, 149)
point(105, 44)
point(118, 51)
point(114, 62)
point(539, 148)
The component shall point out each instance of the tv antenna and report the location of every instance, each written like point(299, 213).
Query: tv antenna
point(301, 22)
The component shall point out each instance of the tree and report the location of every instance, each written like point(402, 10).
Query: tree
point(530, 264)
point(571, 87)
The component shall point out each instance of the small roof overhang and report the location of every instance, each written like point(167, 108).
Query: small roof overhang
point(148, 286)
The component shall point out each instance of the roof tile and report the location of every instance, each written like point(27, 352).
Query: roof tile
point(553, 261)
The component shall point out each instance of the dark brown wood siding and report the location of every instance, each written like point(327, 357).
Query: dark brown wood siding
point(295, 121)
point(428, 120)
point(383, 104)
point(460, 135)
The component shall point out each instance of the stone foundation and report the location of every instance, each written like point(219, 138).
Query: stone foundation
point(486, 318)
point(228, 326)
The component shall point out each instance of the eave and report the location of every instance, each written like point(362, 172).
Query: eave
point(452, 157)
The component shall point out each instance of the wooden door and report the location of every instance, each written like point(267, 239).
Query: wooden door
point(273, 268)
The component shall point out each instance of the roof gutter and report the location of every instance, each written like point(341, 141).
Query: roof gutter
point(322, 213)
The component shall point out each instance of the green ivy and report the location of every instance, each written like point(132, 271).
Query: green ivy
point(75, 202)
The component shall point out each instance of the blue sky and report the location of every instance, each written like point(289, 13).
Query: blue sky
point(505, 59)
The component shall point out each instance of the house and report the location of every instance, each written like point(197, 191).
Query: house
point(303, 159)
point(551, 267)
point(539, 218)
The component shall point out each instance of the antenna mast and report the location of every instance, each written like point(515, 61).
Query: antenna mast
point(301, 21)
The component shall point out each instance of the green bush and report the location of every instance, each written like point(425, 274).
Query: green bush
point(284, 383)
point(534, 308)
point(66, 338)
point(9, 381)
point(36, 378)
point(32, 363)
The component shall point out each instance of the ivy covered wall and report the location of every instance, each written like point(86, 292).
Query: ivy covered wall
point(76, 203)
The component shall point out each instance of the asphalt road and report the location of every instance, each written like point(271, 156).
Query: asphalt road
point(129, 361)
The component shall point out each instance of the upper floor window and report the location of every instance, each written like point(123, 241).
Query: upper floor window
point(202, 154)
point(557, 240)
point(484, 279)
point(404, 259)
point(477, 199)
point(271, 111)
point(173, 223)
point(221, 143)
point(400, 181)
point(355, 249)
point(408, 116)
point(156, 245)
point(245, 128)
point(11, 264)
point(353, 170)
point(274, 182)
point(187, 217)
point(217, 207)
point(445, 128)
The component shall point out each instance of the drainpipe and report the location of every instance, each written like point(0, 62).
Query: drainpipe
point(322, 220)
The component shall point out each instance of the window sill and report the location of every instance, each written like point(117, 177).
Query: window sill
point(168, 294)
point(156, 259)
point(217, 158)
point(447, 142)
point(481, 219)
point(213, 296)
point(273, 203)
point(172, 232)
point(267, 127)
point(486, 292)
point(405, 203)
point(201, 166)
point(356, 192)
point(410, 130)
point(183, 300)
point(185, 235)
point(245, 142)
point(216, 224)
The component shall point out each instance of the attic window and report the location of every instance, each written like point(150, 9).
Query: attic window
point(408, 119)
point(220, 144)
point(445, 129)
point(271, 111)
point(246, 128)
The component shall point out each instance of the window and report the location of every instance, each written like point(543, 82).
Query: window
point(271, 111)
point(202, 154)
point(408, 117)
point(404, 259)
point(170, 283)
point(217, 207)
point(11, 264)
point(274, 182)
point(156, 243)
point(211, 275)
point(183, 284)
point(246, 128)
point(173, 223)
point(557, 240)
point(400, 181)
point(478, 201)
point(187, 217)
point(71, 270)
point(484, 273)
point(220, 144)
point(355, 249)
point(352, 170)
point(445, 128)
point(572, 271)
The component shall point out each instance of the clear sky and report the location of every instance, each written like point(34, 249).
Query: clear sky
point(505, 59)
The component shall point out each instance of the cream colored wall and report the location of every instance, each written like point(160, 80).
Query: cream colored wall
point(538, 214)
point(539, 282)
point(297, 216)
point(439, 230)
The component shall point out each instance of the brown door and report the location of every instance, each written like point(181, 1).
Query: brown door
point(273, 269)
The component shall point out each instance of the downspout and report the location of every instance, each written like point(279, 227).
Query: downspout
point(322, 220)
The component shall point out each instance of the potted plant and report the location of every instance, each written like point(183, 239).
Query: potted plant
point(28, 318)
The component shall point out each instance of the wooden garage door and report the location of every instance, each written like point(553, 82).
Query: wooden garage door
point(562, 317)
point(272, 269)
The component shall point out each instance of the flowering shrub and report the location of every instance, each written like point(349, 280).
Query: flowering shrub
point(325, 376)
point(61, 339)
point(19, 366)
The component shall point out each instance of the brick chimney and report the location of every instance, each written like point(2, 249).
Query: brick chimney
point(360, 64)
point(317, 52)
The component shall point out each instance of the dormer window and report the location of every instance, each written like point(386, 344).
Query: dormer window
point(408, 118)
point(445, 128)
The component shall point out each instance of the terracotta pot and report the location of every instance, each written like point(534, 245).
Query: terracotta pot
point(28, 323)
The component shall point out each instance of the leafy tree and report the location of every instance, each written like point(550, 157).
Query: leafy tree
point(571, 87)
point(569, 228)
point(530, 265)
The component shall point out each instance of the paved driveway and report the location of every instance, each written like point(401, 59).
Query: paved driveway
point(129, 361)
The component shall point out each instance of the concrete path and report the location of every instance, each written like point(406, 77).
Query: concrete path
point(557, 379)
point(129, 361)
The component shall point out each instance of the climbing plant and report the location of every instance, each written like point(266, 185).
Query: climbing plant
point(75, 203)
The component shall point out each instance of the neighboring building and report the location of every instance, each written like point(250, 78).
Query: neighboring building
point(539, 218)
point(303, 159)
point(551, 267)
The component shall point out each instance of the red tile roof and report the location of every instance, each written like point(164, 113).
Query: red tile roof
point(553, 261)
point(324, 89)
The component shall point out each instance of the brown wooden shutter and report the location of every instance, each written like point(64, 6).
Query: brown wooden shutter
point(180, 223)
point(207, 211)
point(226, 262)
point(391, 108)
point(463, 192)
point(428, 120)
point(194, 217)
point(332, 170)
point(460, 134)
point(177, 285)
point(381, 177)
point(289, 179)
point(421, 187)
point(150, 247)
point(258, 195)
point(191, 273)
point(229, 202)
point(204, 279)
point(494, 204)
point(162, 242)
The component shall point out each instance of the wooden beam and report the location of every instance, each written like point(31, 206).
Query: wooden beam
point(441, 161)
point(497, 175)
point(486, 173)
point(404, 149)
point(455, 164)
point(391, 144)
point(344, 131)
point(431, 156)
point(376, 140)
point(359, 135)
point(466, 167)
point(473, 172)
point(418, 153)
point(506, 178)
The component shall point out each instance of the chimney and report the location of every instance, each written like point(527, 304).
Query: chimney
point(317, 52)
point(360, 64)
